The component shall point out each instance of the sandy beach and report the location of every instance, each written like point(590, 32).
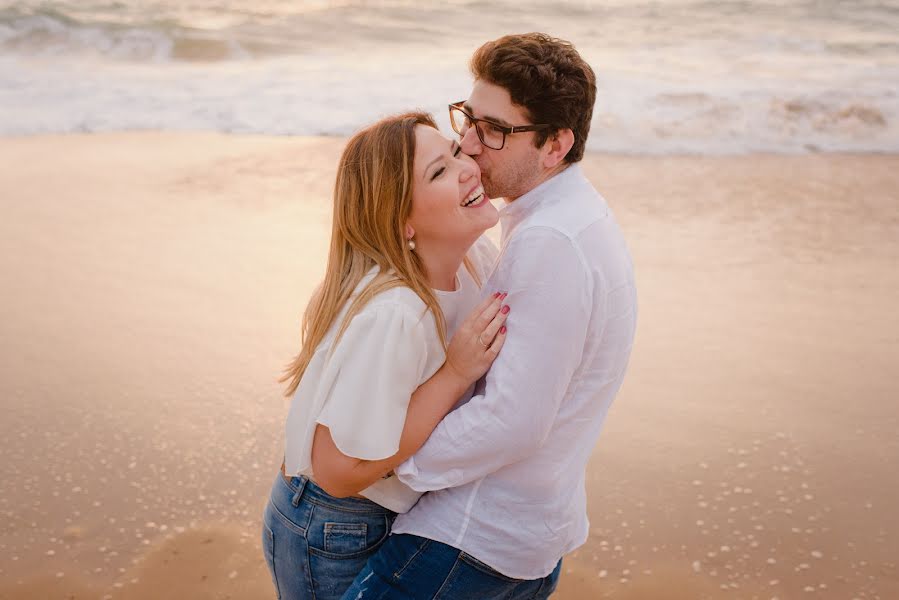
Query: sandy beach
point(153, 285)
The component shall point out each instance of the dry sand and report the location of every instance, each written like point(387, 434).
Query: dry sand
point(152, 289)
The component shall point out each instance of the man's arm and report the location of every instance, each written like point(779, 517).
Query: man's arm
point(342, 474)
point(550, 296)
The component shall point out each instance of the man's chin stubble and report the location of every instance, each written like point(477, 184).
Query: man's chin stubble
point(489, 188)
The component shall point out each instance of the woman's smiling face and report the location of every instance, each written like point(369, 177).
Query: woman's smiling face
point(449, 206)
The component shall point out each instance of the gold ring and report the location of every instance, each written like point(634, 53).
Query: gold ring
point(481, 342)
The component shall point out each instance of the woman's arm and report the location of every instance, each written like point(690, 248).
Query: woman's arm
point(341, 475)
point(467, 359)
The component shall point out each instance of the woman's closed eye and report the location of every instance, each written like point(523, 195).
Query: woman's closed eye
point(456, 151)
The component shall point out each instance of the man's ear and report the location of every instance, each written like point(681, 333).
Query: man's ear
point(557, 148)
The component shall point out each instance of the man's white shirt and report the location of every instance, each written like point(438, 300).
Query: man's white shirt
point(506, 469)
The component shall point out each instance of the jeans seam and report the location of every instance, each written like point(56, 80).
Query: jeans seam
point(308, 569)
point(360, 511)
point(276, 512)
point(267, 531)
point(307, 497)
point(421, 548)
point(448, 576)
point(332, 556)
point(485, 568)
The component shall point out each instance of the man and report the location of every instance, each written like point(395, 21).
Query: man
point(506, 470)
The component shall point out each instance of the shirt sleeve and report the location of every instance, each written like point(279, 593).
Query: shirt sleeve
point(549, 292)
point(371, 375)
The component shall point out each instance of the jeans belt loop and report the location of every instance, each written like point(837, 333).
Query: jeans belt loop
point(300, 489)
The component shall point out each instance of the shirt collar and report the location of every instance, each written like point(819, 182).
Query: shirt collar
point(513, 213)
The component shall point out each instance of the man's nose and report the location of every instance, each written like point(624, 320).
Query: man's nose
point(471, 169)
point(470, 143)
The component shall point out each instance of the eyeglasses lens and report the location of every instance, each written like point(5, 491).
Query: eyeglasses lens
point(489, 135)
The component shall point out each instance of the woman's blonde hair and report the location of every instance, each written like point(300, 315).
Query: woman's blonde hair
point(372, 202)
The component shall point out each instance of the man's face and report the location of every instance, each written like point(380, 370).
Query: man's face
point(516, 168)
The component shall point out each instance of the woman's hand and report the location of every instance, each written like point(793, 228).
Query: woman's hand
point(477, 342)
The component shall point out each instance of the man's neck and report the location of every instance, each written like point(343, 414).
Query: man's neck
point(543, 177)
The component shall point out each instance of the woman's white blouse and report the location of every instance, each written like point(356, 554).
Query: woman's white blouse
point(360, 388)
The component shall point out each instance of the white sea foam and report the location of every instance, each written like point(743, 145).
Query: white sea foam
point(680, 76)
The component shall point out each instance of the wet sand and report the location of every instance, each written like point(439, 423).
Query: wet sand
point(153, 285)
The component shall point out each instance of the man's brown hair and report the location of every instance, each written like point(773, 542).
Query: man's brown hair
point(547, 77)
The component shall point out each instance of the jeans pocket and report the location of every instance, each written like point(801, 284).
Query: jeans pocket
point(345, 538)
point(339, 534)
point(268, 550)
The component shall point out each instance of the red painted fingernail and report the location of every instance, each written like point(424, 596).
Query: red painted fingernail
point(502, 329)
point(496, 295)
point(505, 309)
point(505, 294)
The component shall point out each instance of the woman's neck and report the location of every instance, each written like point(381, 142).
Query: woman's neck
point(441, 265)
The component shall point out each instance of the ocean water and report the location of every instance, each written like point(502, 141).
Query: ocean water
point(674, 76)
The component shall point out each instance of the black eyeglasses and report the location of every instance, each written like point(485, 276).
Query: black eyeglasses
point(493, 135)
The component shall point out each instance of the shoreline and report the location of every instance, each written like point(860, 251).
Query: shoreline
point(806, 151)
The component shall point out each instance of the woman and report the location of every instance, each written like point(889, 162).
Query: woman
point(375, 374)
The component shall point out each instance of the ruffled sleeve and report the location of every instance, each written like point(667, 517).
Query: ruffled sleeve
point(369, 378)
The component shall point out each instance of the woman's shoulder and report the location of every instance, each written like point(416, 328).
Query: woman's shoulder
point(390, 293)
point(397, 298)
point(390, 315)
point(396, 304)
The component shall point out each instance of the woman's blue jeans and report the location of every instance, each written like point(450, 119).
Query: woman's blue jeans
point(316, 544)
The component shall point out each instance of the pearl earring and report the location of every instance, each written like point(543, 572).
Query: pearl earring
point(411, 244)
